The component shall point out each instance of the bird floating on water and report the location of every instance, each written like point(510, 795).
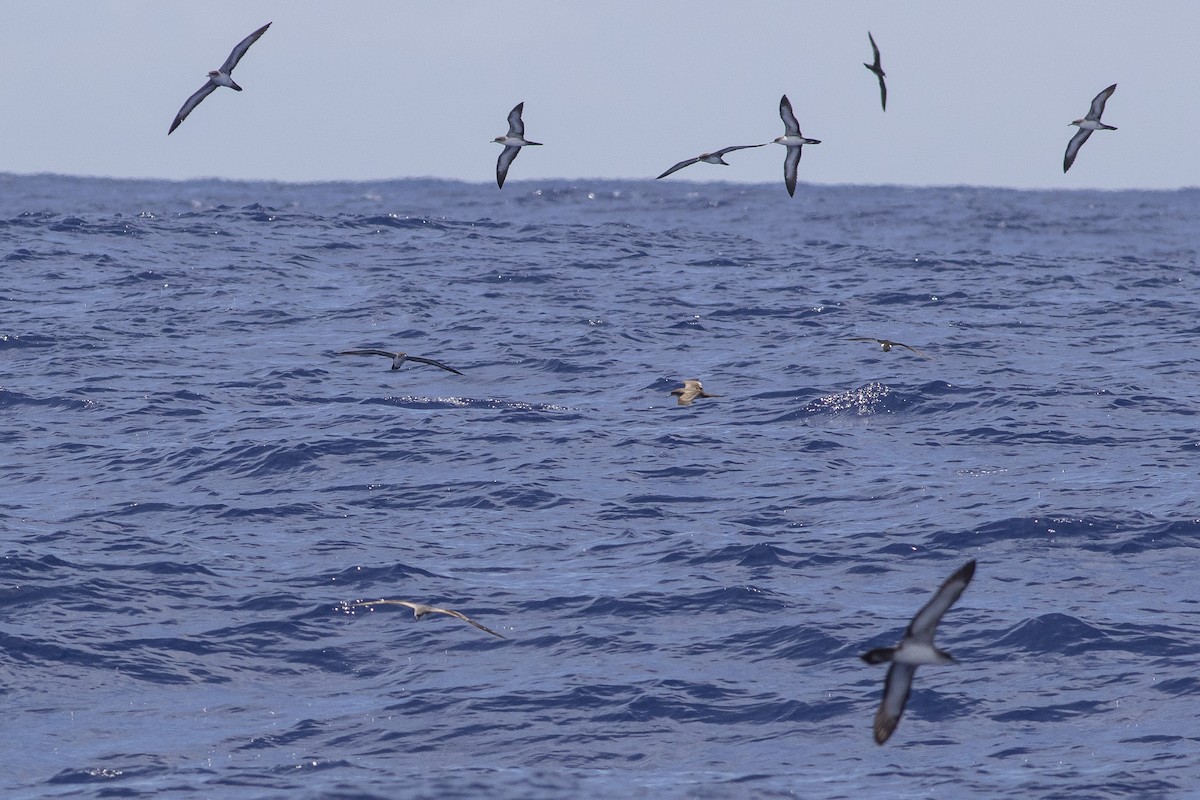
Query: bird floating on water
point(709, 158)
point(218, 77)
point(1090, 122)
point(877, 68)
point(420, 610)
point(886, 344)
point(793, 141)
point(398, 359)
point(513, 141)
point(915, 649)
point(690, 390)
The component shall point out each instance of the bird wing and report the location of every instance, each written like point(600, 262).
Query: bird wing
point(1073, 147)
point(678, 167)
point(1098, 103)
point(465, 618)
point(925, 622)
point(883, 92)
point(368, 353)
point(896, 688)
point(790, 163)
point(240, 49)
point(405, 603)
point(864, 339)
point(204, 91)
point(516, 125)
point(877, 68)
point(431, 362)
point(910, 347)
point(790, 125)
point(502, 164)
point(725, 150)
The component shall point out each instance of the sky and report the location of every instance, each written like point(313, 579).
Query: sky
point(366, 90)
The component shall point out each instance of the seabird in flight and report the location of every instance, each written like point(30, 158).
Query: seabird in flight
point(1089, 123)
point(690, 390)
point(709, 158)
point(915, 649)
point(513, 142)
point(793, 141)
point(218, 77)
point(420, 610)
point(877, 68)
point(887, 344)
point(398, 359)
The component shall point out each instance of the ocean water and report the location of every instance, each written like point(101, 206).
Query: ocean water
point(195, 484)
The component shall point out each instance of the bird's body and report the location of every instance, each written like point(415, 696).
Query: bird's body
point(690, 390)
point(887, 344)
point(513, 141)
point(218, 77)
point(916, 649)
point(1090, 122)
point(794, 141)
point(877, 68)
point(421, 609)
point(709, 158)
point(398, 359)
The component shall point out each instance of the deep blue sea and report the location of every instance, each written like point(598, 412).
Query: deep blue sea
point(194, 484)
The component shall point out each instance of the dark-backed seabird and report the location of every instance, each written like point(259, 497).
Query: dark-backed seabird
point(690, 390)
point(1089, 123)
point(398, 359)
point(218, 77)
point(513, 142)
point(793, 141)
point(877, 68)
point(886, 344)
point(709, 158)
point(420, 610)
point(915, 649)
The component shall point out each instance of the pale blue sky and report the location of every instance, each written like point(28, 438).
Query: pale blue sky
point(979, 93)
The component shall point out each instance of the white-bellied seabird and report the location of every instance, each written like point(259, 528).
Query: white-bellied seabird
point(690, 390)
point(886, 344)
point(513, 142)
point(877, 68)
point(1089, 123)
point(915, 649)
point(218, 77)
point(709, 158)
point(420, 610)
point(398, 359)
point(793, 141)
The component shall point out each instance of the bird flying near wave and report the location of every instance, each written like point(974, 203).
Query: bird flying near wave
point(398, 359)
point(915, 649)
point(420, 610)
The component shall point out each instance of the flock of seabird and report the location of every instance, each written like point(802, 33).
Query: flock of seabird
point(917, 647)
point(792, 139)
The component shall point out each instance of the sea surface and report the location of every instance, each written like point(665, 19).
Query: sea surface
point(194, 485)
